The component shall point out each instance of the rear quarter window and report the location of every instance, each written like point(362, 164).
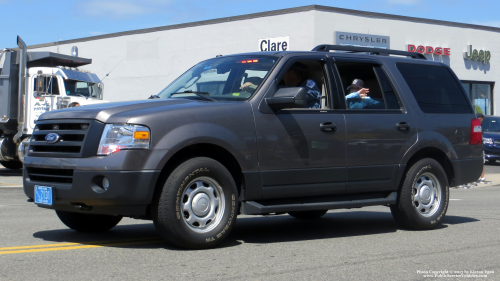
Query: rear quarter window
point(435, 88)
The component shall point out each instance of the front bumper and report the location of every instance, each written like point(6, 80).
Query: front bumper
point(129, 194)
point(491, 152)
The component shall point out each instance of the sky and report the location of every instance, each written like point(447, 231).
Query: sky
point(46, 21)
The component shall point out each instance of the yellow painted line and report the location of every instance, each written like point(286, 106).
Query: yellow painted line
point(39, 246)
point(75, 246)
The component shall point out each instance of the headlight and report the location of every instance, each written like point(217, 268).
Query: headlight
point(120, 137)
point(488, 141)
point(22, 149)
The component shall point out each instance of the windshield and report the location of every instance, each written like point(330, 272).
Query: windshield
point(229, 78)
point(81, 88)
point(491, 124)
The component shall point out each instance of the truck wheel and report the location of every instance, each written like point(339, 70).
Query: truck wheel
point(423, 199)
point(198, 204)
point(306, 215)
point(12, 164)
point(88, 222)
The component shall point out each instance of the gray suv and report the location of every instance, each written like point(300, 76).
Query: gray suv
point(263, 133)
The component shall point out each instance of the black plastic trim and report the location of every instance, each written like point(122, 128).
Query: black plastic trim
point(256, 208)
point(373, 51)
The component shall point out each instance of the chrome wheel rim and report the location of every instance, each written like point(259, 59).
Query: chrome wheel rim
point(426, 195)
point(202, 204)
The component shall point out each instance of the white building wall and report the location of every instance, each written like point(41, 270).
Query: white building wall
point(141, 65)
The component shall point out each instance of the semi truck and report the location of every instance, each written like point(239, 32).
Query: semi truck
point(32, 83)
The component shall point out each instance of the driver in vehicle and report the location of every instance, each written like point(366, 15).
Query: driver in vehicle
point(295, 77)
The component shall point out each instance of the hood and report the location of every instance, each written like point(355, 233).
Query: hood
point(120, 112)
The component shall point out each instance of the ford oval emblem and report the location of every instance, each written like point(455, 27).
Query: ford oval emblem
point(52, 138)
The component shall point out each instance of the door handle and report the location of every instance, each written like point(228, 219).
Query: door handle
point(403, 126)
point(328, 127)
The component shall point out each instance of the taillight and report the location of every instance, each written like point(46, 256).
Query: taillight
point(476, 132)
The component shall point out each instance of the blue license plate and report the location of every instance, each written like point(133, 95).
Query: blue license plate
point(43, 195)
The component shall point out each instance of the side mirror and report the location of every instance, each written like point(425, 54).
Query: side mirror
point(101, 92)
point(292, 97)
point(39, 82)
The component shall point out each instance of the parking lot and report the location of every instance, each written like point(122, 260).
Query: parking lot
point(356, 244)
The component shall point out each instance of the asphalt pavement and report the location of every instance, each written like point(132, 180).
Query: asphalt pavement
point(357, 244)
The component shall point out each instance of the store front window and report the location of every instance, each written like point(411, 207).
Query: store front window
point(481, 96)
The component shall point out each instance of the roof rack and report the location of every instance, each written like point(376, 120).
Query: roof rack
point(375, 51)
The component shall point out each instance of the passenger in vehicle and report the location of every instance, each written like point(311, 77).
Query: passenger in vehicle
point(358, 97)
point(251, 84)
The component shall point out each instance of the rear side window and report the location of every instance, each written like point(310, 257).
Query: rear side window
point(366, 86)
point(434, 88)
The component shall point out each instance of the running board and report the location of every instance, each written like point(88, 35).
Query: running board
point(254, 208)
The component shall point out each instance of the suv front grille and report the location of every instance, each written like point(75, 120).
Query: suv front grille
point(50, 175)
point(76, 138)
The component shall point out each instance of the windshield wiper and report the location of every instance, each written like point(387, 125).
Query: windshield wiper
point(153, 97)
point(203, 95)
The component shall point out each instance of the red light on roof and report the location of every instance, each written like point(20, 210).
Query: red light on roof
point(249, 61)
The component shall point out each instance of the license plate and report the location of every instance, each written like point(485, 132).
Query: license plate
point(43, 195)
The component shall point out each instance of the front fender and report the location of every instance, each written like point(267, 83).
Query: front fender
point(240, 144)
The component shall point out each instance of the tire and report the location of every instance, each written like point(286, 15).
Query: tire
point(198, 204)
point(491, 161)
point(307, 215)
point(13, 165)
point(426, 179)
point(88, 222)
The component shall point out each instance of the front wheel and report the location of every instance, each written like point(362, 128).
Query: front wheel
point(198, 204)
point(491, 161)
point(423, 198)
point(88, 222)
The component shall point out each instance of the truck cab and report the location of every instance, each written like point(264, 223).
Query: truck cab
point(60, 87)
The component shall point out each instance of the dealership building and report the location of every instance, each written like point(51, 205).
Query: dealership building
point(140, 63)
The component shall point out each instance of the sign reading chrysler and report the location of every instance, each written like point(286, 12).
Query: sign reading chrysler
point(274, 44)
point(362, 40)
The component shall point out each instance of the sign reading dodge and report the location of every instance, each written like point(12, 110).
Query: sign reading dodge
point(363, 40)
point(428, 50)
point(274, 44)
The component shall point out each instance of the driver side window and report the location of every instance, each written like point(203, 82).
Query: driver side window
point(309, 74)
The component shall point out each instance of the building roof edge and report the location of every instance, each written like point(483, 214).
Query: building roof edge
point(268, 14)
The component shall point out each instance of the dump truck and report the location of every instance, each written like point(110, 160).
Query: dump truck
point(32, 83)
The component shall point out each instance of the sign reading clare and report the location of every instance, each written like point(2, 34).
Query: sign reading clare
point(274, 44)
point(362, 40)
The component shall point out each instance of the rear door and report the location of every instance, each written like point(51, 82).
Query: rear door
point(378, 128)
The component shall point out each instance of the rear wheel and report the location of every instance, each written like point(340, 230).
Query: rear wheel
point(307, 215)
point(88, 222)
point(423, 198)
point(14, 164)
point(198, 204)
